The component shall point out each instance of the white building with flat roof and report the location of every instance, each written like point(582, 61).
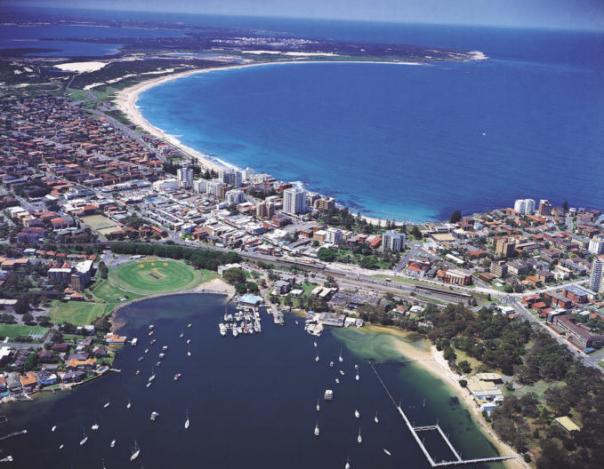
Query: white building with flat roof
point(294, 201)
point(393, 241)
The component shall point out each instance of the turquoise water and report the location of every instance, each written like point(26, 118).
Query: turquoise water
point(251, 402)
point(410, 142)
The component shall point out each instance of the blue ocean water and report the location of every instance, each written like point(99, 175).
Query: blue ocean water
point(411, 142)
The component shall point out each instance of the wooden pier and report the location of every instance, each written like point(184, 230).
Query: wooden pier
point(458, 461)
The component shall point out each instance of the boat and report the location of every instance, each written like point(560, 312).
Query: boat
point(357, 414)
point(387, 452)
point(359, 437)
point(357, 377)
point(158, 363)
point(317, 429)
point(151, 326)
point(152, 341)
point(107, 404)
point(128, 405)
point(347, 466)
point(189, 325)
point(182, 334)
point(330, 364)
point(54, 427)
point(94, 426)
point(138, 372)
point(177, 376)
point(61, 446)
point(149, 384)
point(152, 377)
point(146, 350)
point(317, 358)
point(8, 458)
point(134, 341)
point(222, 329)
point(315, 344)
point(140, 359)
point(328, 395)
point(165, 348)
point(356, 367)
point(161, 355)
point(337, 380)
point(84, 440)
point(376, 419)
point(151, 332)
point(188, 341)
point(188, 352)
point(136, 451)
point(154, 416)
point(318, 406)
point(112, 444)
point(342, 372)
point(340, 358)
point(235, 331)
point(187, 422)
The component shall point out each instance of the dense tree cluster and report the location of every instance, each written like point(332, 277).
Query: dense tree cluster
point(200, 258)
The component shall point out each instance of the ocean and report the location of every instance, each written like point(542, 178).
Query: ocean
point(411, 142)
point(250, 400)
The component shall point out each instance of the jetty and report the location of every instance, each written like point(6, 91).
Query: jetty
point(458, 461)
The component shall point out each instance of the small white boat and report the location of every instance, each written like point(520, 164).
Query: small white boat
point(146, 350)
point(158, 363)
point(149, 384)
point(328, 395)
point(337, 380)
point(151, 332)
point(356, 367)
point(135, 452)
point(342, 372)
point(128, 405)
point(154, 416)
point(347, 466)
point(357, 414)
point(152, 341)
point(330, 364)
point(318, 406)
point(387, 452)
point(181, 335)
point(376, 419)
point(317, 358)
point(187, 422)
point(161, 355)
point(112, 444)
point(357, 377)
point(189, 325)
point(165, 348)
point(188, 341)
point(140, 359)
point(61, 446)
point(315, 344)
point(317, 432)
point(188, 352)
point(138, 372)
point(340, 358)
point(134, 341)
point(83, 440)
point(177, 376)
point(107, 404)
point(94, 426)
point(54, 427)
point(359, 437)
point(8, 458)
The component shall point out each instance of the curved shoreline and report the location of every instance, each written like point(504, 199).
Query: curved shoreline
point(126, 99)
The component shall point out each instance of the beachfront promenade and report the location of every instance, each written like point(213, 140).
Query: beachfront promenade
point(458, 461)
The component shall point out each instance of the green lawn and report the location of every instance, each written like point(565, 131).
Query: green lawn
point(16, 330)
point(78, 313)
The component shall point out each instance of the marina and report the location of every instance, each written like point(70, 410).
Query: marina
point(161, 427)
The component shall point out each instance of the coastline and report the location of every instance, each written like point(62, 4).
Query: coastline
point(126, 99)
point(433, 362)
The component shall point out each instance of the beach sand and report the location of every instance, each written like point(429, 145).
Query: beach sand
point(431, 360)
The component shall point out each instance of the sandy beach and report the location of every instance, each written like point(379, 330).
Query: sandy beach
point(434, 363)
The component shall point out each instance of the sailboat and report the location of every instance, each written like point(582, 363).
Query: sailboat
point(357, 414)
point(318, 406)
point(340, 358)
point(376, 419)
point(359, 437)
point(84, 440)
point(54, 427)
point(135, 452)
point(317, 432)
point(187, 422)
point(112, 444)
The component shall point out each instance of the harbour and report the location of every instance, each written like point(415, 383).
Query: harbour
point(276, 395)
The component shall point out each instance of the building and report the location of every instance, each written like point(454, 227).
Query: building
point(235, 196)
point(545, 208)
point(505, 247)
point(334, 236)
point(216, 189)
point(524, 206)
point(294, 201)
point(597, 271)
point(499, 268)
point(200, 186)
point(185, 177)
point(325, 203)
point(456, 277)
point(393, 241)
point(231, 177)
point(265, 209)
point(81, 275)
point(596, 245)
point(578, 334)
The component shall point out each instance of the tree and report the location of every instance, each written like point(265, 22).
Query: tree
point(464, 366)
point(455, 216)
point(103, 271)
point(22, 305)
point(327, 254)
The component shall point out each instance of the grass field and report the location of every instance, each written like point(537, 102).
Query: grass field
point(79, 313)
point(19, 330)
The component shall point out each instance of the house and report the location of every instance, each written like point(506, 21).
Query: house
point(29, 381)
point(46, 378)
point(578, 334)
point(567, 424)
